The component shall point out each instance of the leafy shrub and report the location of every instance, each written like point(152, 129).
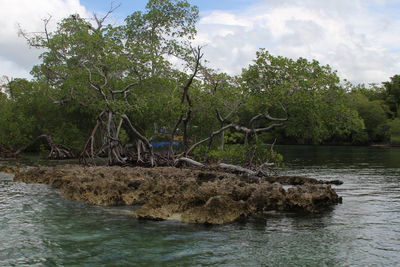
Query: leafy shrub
point(360, 138)
point(395, 131)
point(233, 137)
point(69, 135)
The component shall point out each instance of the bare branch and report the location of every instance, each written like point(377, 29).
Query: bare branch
point(57, 151)
point(225, 119)
point(235, 127)
point(206, 139)
point(198, 55)
point(266, 116)
point(265, 129)
point(189, 161)
point(185, 118)
point(125, 90)
point(94, 85)
point(219, 117)
point(238, 169)
point(100, 21)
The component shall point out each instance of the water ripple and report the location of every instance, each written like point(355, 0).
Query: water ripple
point(39, 228)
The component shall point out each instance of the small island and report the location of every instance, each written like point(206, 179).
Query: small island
point(152, 125)
point(188, 195)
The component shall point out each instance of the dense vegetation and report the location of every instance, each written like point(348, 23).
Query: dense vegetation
point(106, 86)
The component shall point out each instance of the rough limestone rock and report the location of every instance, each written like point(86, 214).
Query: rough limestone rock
point(311, 197)
point(8, 169)
point(188, 195)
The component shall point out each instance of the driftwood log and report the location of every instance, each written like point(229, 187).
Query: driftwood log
point(190, 162)
point(235, 168)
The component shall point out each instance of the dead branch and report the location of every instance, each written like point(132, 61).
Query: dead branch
point(88, 150)
point(32, 41)
point(189, 161)
point(206, 139)
point(237, 128)
point(100, 21)
point(238, 169)
point(186, 117)
point(125, 90)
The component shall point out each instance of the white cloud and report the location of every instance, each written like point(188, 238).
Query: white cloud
point(359, 38)
point(351, 36)
point(16, 58)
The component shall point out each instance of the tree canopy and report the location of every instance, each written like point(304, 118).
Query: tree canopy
point(112, 90)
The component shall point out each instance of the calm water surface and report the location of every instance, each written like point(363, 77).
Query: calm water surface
point(39, 228)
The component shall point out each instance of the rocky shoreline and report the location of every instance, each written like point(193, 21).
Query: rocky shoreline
point(188, 195)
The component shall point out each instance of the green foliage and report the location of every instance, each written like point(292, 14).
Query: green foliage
point(83, 65)
point(69, 135)
point(395, 131)
point(373, 115)
point(29, 112)
point(234, 138)
point(360, 138)
point(15, 126)
point(123, 136)
point(162, 24)
point(311, 94)
point(392, 88)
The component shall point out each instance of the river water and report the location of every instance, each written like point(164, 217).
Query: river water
point(39, 228)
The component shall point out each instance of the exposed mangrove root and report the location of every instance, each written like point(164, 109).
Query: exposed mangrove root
point(107, 134)
point(189, 195)
point(6, 153)
point(57, 151)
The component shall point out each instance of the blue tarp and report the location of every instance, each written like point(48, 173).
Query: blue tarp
point(164, 143)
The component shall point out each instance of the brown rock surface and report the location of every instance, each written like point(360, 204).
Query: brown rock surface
point(188, 195)
point(311, 197)
point(8, 169)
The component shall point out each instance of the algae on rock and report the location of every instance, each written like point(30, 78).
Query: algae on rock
point(188, 195)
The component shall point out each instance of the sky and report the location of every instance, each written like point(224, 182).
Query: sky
point(358, 38)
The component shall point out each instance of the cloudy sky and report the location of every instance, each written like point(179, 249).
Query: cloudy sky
point(359, 38)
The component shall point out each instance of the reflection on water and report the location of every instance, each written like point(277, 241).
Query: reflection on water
point(39, 228)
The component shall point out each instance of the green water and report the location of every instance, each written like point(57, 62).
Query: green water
point(39, 228)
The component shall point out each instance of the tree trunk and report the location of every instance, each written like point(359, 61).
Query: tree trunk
point(141, 138)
